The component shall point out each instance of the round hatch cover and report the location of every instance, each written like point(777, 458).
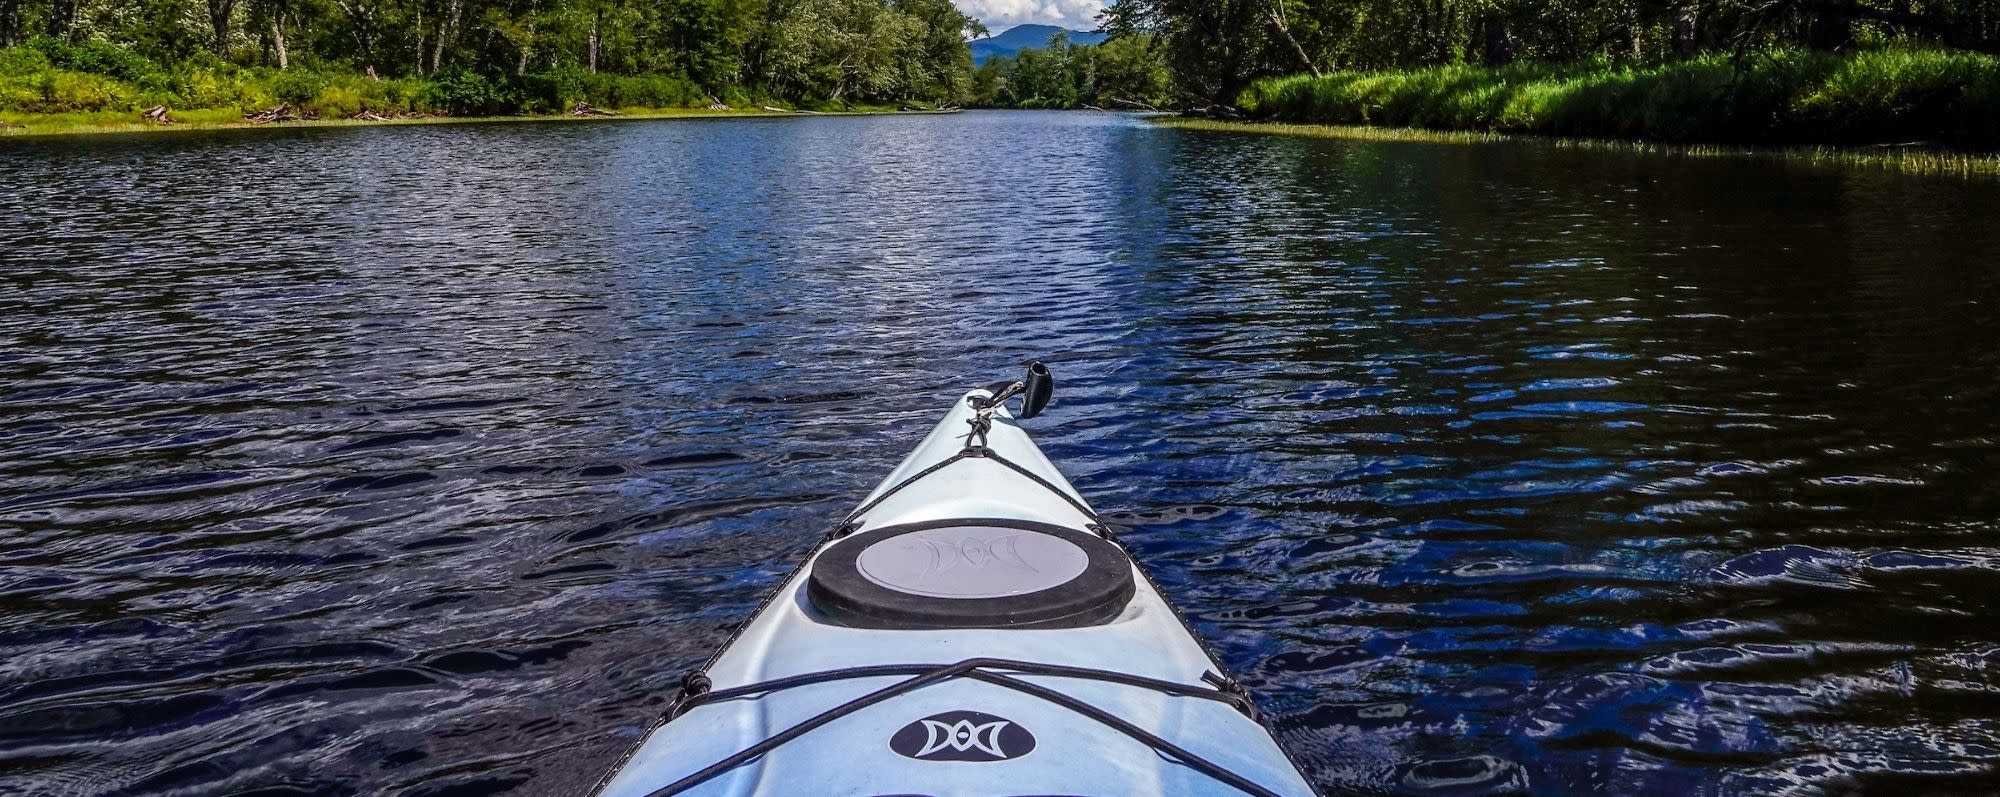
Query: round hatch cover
point(971, 562)
point(971, 574)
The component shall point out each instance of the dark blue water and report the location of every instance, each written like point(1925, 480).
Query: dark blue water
point(424, 460)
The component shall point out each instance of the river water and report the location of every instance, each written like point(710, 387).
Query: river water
point(424, 460)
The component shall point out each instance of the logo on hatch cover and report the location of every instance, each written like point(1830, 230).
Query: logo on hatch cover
point(963, 736)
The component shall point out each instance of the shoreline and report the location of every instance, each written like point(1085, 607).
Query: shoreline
point(22, 126)
point(1911, 161)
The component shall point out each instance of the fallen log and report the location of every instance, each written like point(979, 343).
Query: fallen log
point(1133, 103)
point(584, 109)
point(774, 109)
point(157, 115)
point(1215, 112)
point(369, 116)
point(281, 113)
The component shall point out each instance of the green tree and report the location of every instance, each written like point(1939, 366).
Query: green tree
point(1128, 70)
point(934, 63)
point(806, 51)
point(1131, 69)
point(1215, 46)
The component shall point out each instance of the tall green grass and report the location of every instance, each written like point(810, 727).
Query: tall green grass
point(1944, 98)
point(48, 78)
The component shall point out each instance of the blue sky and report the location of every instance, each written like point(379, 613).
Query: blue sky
point(1000, 15)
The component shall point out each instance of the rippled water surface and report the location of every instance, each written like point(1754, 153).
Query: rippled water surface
point(424, 460)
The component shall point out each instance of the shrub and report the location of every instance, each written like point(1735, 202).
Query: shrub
point(208, 88)
point(554, 90)
point(565, 86)
point(94, 57)
point(17, 92)
point(297, 87)
point(1891, 95)
point(346, 95)
point(656, 91)
point(80, 91)
point(463, 92)
point(339, 102)
point(400, 95)
point(739, 97)
point(23, 61)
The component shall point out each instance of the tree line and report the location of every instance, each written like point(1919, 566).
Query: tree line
point(1124, 73)
point(831, 51)
point(1215, 48)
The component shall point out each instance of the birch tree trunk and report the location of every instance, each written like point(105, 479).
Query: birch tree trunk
point(521, 67)
point(593, 41)
point(363, 19)
point(447, 31)
point(278, 45)
point(420, 38)
point(1277, 14)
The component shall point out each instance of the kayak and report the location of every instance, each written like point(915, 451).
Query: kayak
point(970, 629)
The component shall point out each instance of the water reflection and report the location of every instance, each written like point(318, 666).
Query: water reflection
point(424, 460)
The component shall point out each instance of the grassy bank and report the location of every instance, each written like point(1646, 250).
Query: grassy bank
point(49, 87)
point(1903, 160)
point(1939, 98)
point(69, 124)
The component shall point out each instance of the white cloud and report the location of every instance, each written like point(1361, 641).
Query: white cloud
point(1000, 15)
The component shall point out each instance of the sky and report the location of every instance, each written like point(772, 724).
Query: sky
point(1000, 15)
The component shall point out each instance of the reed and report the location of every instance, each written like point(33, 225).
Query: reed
point(1899, 160)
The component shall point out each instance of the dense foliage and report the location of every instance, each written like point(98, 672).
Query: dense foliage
point(339, 57)
point(1216, 47)
point(1782, 96)
point(1125, 72)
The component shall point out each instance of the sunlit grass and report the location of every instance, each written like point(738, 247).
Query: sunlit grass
point(13, 123)
point(1902, 160)
point(63, 124)
point(1941, 98)
point(1357, 132)
point(48, 87)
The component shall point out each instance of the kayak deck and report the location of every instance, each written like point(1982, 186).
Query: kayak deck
point(965, 735)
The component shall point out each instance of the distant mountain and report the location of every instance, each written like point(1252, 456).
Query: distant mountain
point(1027, 37)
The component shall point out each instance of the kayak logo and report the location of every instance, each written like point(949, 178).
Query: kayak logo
point(963, 736)
point(977, 553)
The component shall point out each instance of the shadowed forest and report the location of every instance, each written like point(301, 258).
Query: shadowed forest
point(1847, 72)
point(1844, 72)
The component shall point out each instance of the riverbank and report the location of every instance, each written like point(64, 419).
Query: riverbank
point(1935, 98)
point(1903, 160)
point(16, 125)
point(49, 87)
